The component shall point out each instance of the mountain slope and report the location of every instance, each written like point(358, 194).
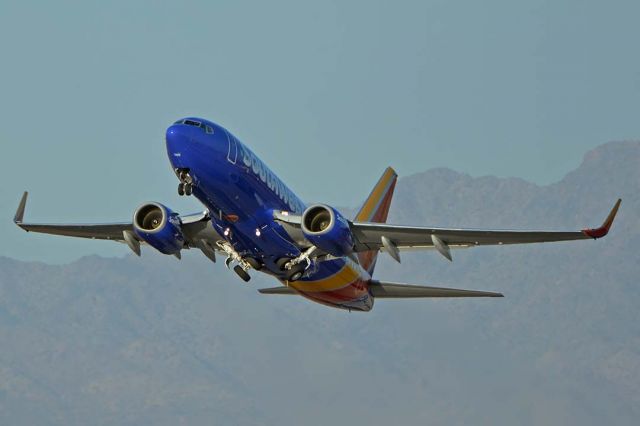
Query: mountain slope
point(156, 340)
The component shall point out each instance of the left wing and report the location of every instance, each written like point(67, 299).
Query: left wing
point(394, 238)
point(370, 236)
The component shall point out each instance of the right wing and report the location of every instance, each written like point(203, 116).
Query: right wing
point(101, 231)
point(194, 227)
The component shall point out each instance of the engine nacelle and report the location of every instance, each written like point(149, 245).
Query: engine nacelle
point(159, 227)
point(328, 230)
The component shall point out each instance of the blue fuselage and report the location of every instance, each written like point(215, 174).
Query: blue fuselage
point(241, 193)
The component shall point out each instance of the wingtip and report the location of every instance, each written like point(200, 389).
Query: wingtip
point(606, 225)
point(17, 219)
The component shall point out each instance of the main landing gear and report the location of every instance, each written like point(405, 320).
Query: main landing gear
point(185, 187)
point(294, 268)
point(233, 256)
point(244, 275)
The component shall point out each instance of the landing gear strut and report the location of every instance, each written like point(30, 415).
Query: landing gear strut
point(233, 256)
point(185, 187)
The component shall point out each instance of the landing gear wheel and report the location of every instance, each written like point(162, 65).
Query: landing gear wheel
point(185, 187)
point(295, 273)
point(241, 273)
point(296, 276)
point(255, 263)
point(281, 263)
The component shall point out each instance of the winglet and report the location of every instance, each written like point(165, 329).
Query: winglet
point(604, 229)
point(17, 219)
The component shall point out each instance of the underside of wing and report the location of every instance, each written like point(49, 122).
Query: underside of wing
point(194, 227)
point(105, 231)
point(386, 290)
point(371, 236)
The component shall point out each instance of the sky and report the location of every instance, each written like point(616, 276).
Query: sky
point(327, 93)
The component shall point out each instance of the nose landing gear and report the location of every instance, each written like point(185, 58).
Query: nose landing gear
point(185, 187)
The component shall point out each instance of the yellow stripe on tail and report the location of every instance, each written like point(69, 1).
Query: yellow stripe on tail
point(376, 209)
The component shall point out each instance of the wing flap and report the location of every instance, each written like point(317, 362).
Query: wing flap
point(387, 290)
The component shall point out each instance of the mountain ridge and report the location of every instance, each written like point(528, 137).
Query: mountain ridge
point(156, 340)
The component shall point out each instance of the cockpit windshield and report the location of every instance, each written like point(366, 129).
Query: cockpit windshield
point(195, 123)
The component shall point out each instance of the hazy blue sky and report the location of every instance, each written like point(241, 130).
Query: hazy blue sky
point(327, 93)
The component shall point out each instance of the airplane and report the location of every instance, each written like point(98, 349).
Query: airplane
point(259, 224)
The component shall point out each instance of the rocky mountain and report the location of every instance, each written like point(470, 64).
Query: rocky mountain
point(160, 341)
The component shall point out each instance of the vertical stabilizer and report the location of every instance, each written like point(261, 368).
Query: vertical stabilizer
point(376, 209)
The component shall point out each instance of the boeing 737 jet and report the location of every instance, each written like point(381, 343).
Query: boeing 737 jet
point(257, 223)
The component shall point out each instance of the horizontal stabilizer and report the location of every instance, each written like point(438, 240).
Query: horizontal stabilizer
point(278, 290)
point(384, 290)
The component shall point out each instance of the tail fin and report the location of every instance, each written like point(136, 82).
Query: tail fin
point(376, 209)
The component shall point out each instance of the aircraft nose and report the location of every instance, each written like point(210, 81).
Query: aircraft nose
point(173, 135)
point(177, 137)
point(176, 140)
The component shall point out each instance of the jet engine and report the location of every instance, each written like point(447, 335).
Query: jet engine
point(159, 227)
point(328, 230)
